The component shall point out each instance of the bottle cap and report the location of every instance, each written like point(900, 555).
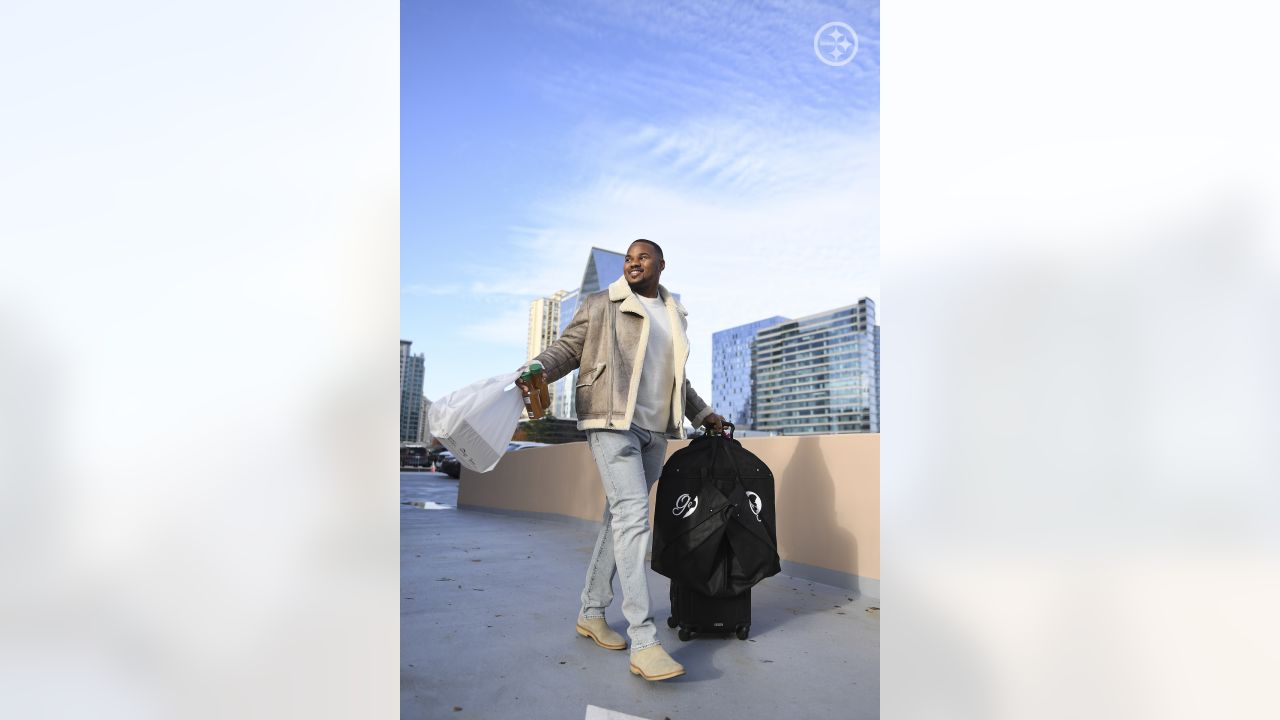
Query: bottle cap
point(535, 367)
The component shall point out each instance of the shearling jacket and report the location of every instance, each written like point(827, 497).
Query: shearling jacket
point(607, 339)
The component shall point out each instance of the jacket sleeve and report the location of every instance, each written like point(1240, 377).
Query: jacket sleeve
point(694, 407)
point(565, 354)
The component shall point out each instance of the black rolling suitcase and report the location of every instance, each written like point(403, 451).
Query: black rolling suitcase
point(694, 612)
point(713, 534)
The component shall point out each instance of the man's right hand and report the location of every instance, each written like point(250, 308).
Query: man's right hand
point(524, 386)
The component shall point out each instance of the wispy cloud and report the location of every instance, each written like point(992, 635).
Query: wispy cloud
point(507, 330)
point(709, 55)
point(760, 156)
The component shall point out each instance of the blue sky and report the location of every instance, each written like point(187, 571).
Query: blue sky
point(532, 131)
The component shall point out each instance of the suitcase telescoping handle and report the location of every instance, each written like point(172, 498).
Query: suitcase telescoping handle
point(728, 429)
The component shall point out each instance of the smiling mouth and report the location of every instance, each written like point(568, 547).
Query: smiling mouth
point(634, 273)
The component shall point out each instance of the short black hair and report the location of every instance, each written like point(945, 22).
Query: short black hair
point(655, 245)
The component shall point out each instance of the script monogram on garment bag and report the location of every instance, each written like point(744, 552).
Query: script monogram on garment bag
point(683, 503)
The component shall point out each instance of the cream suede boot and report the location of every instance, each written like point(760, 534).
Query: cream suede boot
point(597, 629)
point(653, 663)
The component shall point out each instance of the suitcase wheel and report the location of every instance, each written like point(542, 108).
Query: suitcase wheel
point(743, 631)
point(684, 634)
point(671, 622)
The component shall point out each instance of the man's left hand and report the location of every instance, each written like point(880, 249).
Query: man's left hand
point(714, 424)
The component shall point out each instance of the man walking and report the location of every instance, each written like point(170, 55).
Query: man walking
point(630, 344)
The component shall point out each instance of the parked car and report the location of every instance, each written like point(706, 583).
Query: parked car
point(522, 445)
point(414, 456)
point(434, 455)
point(449, 465)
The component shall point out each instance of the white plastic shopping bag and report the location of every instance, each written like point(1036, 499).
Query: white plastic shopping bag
point(476, 422)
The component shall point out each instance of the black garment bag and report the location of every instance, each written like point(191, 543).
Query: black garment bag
point(714, 526)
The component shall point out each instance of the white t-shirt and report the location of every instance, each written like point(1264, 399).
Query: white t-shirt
point(658, 374)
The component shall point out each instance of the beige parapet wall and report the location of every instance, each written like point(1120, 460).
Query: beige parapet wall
point(827, 488)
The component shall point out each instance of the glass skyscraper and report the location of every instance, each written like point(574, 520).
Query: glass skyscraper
point(732, 378)
point(603, 267)
point(820, 374)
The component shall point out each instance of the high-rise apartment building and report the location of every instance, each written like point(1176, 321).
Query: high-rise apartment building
point(877, 344)
point(820, 373)
point(411, 371)
point(544, 322)
point(732, 371)
point(544, 328)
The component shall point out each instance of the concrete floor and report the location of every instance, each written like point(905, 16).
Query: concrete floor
point(487, 608)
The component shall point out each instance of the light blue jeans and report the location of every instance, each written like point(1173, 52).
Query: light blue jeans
point(630, 462)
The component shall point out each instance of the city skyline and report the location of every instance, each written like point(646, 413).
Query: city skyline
point(752, 162)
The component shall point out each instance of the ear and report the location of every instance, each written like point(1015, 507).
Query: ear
point(663, 266)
